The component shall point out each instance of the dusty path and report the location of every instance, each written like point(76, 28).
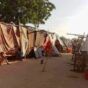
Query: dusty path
point(27, 74)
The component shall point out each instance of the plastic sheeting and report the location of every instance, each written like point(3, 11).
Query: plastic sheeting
point(84, 46)
point(39, 38)
point(24, 41)
point(53, 39)
point(8, 38)
point(17, 34)
point(31, 39)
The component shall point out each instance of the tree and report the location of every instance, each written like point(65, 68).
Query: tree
point(27, 11)
point(41, 10)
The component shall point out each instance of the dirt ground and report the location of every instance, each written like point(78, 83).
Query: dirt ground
point(28, 74)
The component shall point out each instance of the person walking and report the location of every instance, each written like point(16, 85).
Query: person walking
point(41, 54)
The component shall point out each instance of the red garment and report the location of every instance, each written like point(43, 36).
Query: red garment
point(48, 46)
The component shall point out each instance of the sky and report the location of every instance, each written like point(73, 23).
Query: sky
point(70, 16)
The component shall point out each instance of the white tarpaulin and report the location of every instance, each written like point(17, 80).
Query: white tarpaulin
point(7, 37)
point(84, 46)
point(24, 41)
point(53, 39)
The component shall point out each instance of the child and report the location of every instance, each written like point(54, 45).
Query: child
point(41, 54)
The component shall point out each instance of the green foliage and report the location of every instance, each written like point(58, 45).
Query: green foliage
point(27, 11)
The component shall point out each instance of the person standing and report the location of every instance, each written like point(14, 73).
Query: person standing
point(41, 54)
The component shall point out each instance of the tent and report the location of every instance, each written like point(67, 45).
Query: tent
point(49, 45)
point(59, 44)
point(36, 40)
point(31, 39)
point(19, 39)
point(8, 38)
point(53, 40)
point(23, 40)
point(40, 37)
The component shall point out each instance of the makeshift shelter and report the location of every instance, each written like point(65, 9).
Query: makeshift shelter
point(17, 34)
point(31, 42)
point(19, 39)
point(8, 38)
point(40, 38)
point(36, 40)
point(49, 45)
point(59, 44)
point(53, 39)
point(8, 42)
point(31, 39)
point(24, 40)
